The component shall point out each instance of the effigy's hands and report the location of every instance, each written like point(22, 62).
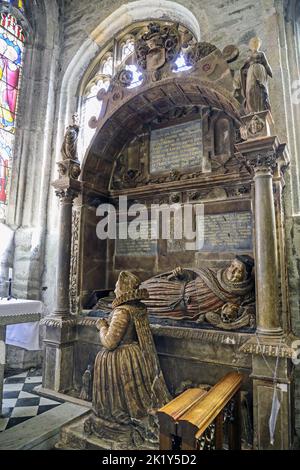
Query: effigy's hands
point(177, 273)
point(101, 323)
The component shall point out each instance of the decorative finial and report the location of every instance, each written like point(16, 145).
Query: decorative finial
point(75, 119)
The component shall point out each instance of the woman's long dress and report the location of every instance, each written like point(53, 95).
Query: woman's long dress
point(123, 392)
point(257, 94)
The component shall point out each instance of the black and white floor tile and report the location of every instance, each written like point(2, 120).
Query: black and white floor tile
point(20, 402)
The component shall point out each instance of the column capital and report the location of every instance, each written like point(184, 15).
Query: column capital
point(264, 155)
point(263, 163)
point(67, 189)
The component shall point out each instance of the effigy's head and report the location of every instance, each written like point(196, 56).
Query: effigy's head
point(240, 268)
point(126, 282)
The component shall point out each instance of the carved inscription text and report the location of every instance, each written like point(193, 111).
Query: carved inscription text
point(176, 147)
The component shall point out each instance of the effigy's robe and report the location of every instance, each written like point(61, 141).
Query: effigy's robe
point(202, 291)
point(128, 382)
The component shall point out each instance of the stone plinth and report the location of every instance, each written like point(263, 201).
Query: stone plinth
point(73, 437)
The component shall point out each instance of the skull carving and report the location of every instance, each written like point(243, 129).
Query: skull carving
point(229, 313)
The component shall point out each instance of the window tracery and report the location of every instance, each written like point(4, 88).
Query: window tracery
point(120, 54)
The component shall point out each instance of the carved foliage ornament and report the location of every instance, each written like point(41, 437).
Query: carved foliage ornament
point(66, 195)
point(266, 162)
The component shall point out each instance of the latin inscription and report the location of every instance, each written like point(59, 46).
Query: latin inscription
point(227, 232)
point(142, 246)
point(176, 147)
point(231, 231)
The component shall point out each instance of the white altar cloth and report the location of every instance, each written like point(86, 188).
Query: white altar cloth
point(23, 335)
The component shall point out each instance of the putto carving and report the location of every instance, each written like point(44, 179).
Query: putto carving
point(256, 125)
point(158, 46)
point(253, 128)
point(69, 146)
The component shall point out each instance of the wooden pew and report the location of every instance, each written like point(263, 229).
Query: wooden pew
point(169, 415)
point(208, 411)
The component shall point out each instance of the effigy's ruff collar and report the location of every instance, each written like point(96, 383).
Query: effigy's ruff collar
point(137, 294)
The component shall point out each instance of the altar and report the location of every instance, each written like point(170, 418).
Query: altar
point(13, 315)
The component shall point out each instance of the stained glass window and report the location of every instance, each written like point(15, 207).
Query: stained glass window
point(16, 3)
point(127, 48)
point(11, 50)
point(107, 66)
point(181, 65)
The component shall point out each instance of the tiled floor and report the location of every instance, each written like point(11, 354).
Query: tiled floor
point(20, 402)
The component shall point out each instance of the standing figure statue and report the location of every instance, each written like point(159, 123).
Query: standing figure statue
point(252, 82)
point(86, 389)
point(128, 382)
point(69, 146)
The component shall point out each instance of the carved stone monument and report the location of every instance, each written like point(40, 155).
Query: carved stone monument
point(236, 168)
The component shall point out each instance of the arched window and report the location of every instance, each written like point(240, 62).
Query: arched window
point(119, 54)
point(107, 66)
point(12, 42)
point(91, 107)
point(127, 48)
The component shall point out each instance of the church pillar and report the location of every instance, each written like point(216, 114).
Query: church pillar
point(272, 347)
point(266, 265)
point(60, 334)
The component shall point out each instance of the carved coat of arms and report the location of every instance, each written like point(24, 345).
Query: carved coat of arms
point(159, 45)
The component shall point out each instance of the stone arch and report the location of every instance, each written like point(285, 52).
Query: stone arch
point(122, 121)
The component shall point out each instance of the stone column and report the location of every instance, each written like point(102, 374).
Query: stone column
point(60, 325)
point(271, 348)
point(266, 262)
point(66, 198)
point(2, 362)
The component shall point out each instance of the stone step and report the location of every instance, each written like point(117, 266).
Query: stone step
point(42, 431)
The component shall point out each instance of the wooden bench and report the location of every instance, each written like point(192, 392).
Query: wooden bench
point(203, 422)
point(170, 414)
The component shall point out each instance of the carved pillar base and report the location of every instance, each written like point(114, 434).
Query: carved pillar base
point(59, 354)
point(264, 358)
